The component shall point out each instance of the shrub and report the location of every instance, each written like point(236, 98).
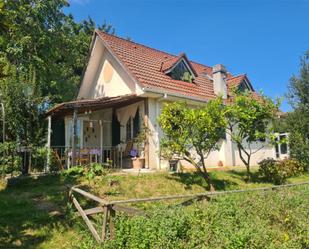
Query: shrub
point(278, 171)
point(74, 171)
point(9, 159)
point(252, 220)
point(95, 169)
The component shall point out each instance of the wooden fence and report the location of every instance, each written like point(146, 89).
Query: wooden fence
point(109, 208)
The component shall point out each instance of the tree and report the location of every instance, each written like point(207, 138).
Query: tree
point(189, 132)
point(249, 119)
point(298, 120)
point(42, 55)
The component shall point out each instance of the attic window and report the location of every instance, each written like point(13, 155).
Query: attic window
point(242, 87)
point(181, 72)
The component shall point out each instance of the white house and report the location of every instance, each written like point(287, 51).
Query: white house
point(126, 84)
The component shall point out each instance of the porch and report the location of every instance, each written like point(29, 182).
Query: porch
point(98, 131)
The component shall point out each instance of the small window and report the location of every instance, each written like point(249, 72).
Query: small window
point(181, 72)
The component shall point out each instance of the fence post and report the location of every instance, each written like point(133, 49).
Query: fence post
point(104, 225)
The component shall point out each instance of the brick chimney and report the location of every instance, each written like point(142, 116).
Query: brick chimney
point(219, 80)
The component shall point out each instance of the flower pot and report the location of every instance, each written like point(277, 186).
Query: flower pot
point(138, 162)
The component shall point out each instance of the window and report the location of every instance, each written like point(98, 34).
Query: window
point(181, 72)
point(133, 126)
point(282, 146)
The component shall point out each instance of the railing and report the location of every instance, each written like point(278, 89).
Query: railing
point(111, 156)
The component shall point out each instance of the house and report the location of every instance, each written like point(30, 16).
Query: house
point(125, 85)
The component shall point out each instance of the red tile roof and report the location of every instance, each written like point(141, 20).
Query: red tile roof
point(145, 65)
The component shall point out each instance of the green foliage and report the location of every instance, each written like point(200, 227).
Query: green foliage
point(95, 169)
point(298, 120)
point(42, 55)
point(9, 159)
point(249, 121)
point(188, 130)
point(252, 220)
point(277, 172)
point(74, 171)
point(90, 171)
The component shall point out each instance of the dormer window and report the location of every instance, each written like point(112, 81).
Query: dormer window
point(181, 72)
point(179, 68)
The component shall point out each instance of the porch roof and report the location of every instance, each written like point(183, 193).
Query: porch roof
point(83, 105)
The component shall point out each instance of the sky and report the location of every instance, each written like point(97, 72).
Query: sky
point(262, 38)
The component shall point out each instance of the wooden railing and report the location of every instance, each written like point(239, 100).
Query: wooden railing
point(109, 208)
point(110, 155)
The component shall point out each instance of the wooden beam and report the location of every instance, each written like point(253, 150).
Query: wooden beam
point(92, 211)
point(89, 196)
point(85, 218)
point(128, 210)
point(104, 225)
point(74, 137)
point(112, 215)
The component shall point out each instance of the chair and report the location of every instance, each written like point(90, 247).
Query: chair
point(61, 160)
point(83, 157)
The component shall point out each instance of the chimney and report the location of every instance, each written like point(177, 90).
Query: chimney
point(219, 80)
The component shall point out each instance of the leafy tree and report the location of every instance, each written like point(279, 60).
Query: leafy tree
point(249, 119)
point(298, 120)
point(42, 55)
point(193, 133)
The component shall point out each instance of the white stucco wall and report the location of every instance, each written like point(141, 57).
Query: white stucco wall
point(227, 152)
point(105, 76)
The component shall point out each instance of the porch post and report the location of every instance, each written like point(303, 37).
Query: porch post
point(101, 140)
point(146, 123)
point(48, 144)
point(74, 123)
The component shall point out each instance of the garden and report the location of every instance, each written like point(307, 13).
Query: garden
point(35, 212)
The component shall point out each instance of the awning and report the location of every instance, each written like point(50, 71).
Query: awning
point(83, 105)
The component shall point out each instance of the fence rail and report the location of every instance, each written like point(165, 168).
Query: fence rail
point(109, 208)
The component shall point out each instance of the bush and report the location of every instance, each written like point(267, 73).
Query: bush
point(10, 161)
point(90, 171)
point(252, 220)
point(278, 171)
point(95, 169)
point(74, 171)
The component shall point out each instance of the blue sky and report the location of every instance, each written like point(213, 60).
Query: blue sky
point(264, 38)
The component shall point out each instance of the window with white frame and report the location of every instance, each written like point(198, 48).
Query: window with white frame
point(282, 146)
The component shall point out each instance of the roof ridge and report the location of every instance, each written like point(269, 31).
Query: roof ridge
point(148, 47)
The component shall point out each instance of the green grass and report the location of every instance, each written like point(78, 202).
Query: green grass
point(33, 211)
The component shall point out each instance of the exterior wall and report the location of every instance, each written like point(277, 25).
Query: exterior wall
point(267, 151)
point(227, 153)
point(104, 76)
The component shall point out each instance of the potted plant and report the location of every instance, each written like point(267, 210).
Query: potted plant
point(138, 156)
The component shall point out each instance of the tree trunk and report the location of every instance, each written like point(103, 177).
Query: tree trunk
point(203, 173)
point(246, 162)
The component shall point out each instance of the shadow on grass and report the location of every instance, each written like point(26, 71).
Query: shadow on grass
point(190, 179)
point(243, 174)
point(30, 208)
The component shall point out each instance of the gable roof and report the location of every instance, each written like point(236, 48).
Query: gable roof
point(169, 64)
point(148, 66)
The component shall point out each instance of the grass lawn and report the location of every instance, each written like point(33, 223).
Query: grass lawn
point(33, 210)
